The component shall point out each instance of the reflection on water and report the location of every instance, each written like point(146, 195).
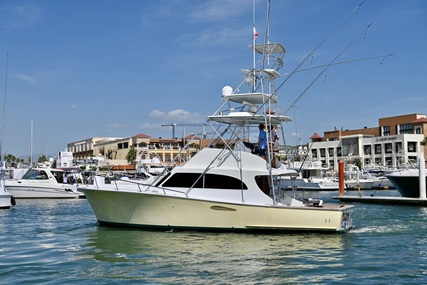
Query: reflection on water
point(60, 242)
point(224, 257)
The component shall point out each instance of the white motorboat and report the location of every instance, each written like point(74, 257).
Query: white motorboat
point(44, 183)
point(354, 179)
point(407, 182)
point(6, 199)
point(312, 176)
point(224, 187)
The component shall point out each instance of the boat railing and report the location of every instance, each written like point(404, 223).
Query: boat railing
point(141, 185)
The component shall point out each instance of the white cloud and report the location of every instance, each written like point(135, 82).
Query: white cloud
point(26, 15)
point(27, 78)
point(177, 115)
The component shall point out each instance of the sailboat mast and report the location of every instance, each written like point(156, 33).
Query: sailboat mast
point(4, 107)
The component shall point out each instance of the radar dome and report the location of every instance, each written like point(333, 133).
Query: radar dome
point(227, 90)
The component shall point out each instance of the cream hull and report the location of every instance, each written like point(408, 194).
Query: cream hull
point(150, 210)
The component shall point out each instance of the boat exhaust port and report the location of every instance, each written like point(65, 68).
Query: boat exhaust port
point(309, 202)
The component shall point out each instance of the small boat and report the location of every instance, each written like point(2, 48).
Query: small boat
point(45, 183)
point(312, 176)
point(355, 179)
point(407, 182)
point(6, 199)
point(225, 186)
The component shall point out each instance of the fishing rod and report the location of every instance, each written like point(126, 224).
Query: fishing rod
point(327, 67)
point(346, 61)
point(321, 42)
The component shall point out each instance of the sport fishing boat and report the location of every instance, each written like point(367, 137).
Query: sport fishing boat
point(225, 186)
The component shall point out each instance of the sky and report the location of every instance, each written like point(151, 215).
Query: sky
point(72, 70)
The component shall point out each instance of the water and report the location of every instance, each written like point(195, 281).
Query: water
point(60, 242)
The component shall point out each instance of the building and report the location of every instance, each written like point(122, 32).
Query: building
point(114, 151)
point(396, 142)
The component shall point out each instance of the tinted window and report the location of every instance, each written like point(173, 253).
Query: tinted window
point(187, 180)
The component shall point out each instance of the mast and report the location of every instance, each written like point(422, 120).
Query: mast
point(4, 108)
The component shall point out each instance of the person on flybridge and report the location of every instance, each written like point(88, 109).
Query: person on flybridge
point(262, 140)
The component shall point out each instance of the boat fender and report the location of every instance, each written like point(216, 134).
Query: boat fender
point(13, 201)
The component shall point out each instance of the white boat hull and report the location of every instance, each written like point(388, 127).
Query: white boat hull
point(42, 193)
point(6, 200)
point(311, 186)
point(143, 209)
point(353, 185)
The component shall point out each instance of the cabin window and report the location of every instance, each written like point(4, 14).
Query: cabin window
point(197, 180)
point(339, 151)
point(322, 152)
point(331, 151)
point(33, 174)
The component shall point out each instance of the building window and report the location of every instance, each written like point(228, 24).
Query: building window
point(314, 153)
point(386, 131)
point(350, 146)
point(406, 129)
point(367, 149)
point(398, 146)
point(412, 147)
point(388, 148)
point(418, 131)
point(377, 149)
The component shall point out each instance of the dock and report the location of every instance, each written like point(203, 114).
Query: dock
point(408, 201)
point(404, 201)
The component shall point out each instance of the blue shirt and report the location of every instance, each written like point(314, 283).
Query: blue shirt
point(263, 136)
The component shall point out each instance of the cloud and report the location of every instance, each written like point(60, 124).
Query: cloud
point(27, 78)
point(41, 76)
point(115, 125)
point(22, 16)
point(177, 115)
point(73, 106)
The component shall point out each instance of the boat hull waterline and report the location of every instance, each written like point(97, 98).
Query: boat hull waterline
point(42, 193)
point(148, 210)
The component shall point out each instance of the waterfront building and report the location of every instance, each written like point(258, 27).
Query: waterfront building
point(395, 142)
point(113, 151)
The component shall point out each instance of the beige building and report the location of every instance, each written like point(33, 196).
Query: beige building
point(113, 151)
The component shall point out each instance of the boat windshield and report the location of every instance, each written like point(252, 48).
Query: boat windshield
point(34, 174)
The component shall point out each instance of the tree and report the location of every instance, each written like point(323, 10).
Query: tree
point(424, 142)
point(42, 159)
point(131, 156)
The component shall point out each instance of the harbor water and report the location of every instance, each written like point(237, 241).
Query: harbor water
point(60, 242)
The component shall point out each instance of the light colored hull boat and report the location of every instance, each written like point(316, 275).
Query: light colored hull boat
point(224, 187)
